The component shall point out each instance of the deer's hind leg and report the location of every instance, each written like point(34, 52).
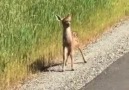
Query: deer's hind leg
point(71, 56)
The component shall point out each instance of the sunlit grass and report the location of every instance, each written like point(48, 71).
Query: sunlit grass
point(29, 30)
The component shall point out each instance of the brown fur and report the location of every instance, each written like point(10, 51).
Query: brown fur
point(70, 41)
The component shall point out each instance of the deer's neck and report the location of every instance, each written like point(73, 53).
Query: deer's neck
point(67, 34)
point(67, 31)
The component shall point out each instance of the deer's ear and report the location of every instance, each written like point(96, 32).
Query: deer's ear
point(68, 17)
point(58, 18)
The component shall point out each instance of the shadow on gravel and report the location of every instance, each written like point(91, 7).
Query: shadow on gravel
point(79, 63)
point(41, 65)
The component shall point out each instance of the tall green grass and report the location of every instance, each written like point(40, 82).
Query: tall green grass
point(29, 30)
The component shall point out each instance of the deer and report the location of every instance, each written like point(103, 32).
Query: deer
point(70, 41)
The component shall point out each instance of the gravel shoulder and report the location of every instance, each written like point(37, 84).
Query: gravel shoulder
point(99, 55)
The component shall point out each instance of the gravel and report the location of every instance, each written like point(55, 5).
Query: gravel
point(99, 55)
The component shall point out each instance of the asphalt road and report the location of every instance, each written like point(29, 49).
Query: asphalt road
point(115, 77)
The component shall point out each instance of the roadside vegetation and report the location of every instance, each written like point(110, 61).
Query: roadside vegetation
point(29, 31)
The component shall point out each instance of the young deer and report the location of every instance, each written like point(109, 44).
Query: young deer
point(70, 41)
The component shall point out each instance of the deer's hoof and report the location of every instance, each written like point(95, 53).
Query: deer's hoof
point(72, 69)
point(63, 70)
point(85, 61)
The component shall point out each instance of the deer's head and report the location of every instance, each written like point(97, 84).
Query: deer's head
point(66, 21)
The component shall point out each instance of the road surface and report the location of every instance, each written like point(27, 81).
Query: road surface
point(115, 77)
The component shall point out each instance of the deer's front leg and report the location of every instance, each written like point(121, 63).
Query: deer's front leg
point(65, 51)
point(66, 62)
point(72, 60)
